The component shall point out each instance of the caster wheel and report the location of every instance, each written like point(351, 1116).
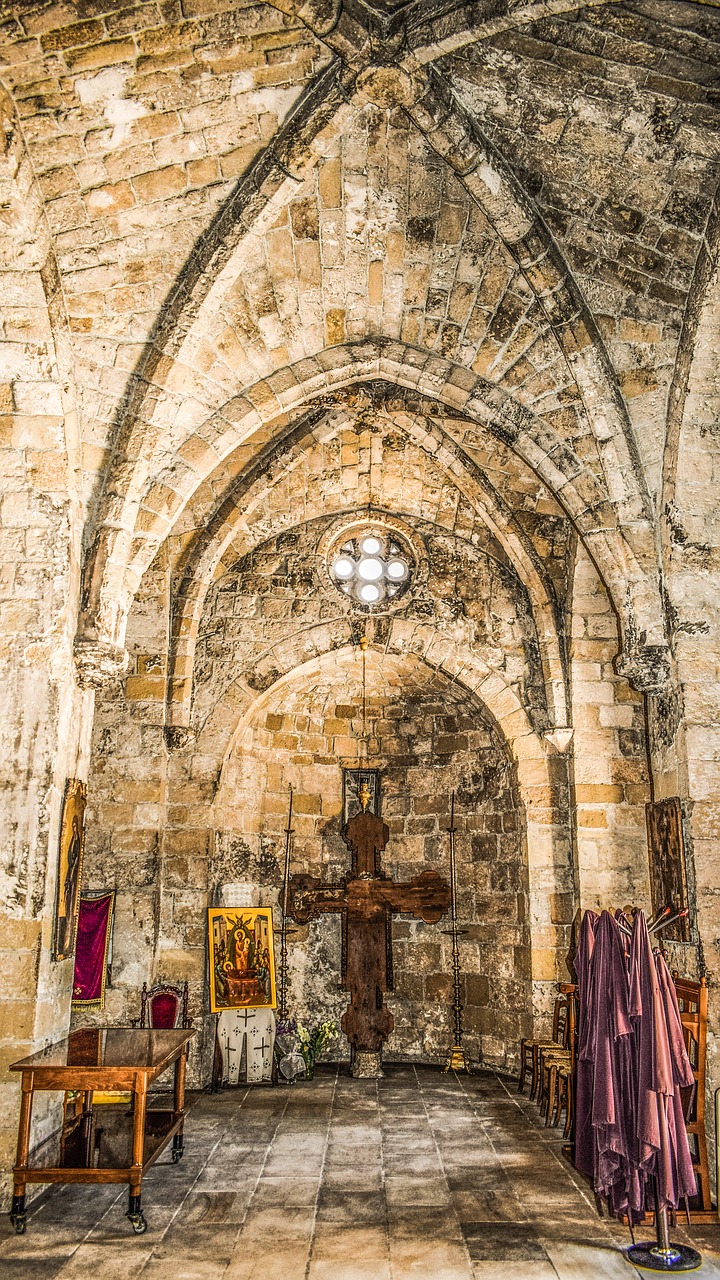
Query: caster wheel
point(138, 1223)
point(19, 1222)
point(177, 1155)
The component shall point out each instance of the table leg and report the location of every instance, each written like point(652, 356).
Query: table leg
point(178, 1145)
point(18, 1216)
point(87, 1126)
point(135, 1213)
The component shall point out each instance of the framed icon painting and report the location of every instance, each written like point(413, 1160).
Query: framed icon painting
point(355, 782)
point(70, 855)
point(242, 961)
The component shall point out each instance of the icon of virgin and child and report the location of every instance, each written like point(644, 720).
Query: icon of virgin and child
point(242, 966)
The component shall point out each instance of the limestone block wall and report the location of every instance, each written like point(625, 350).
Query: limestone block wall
point(45, 724)
point(684, 722)
point(157, 112)
point(127, 815)
point(610, 769)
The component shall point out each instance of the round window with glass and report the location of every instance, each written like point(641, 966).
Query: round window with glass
point(372, 567)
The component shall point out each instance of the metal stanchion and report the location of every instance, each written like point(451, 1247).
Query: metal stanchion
point(457, 1059)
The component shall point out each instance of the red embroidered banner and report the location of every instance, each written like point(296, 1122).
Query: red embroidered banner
point(94, 929)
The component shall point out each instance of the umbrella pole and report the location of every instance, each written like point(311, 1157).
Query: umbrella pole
point(661, 1255)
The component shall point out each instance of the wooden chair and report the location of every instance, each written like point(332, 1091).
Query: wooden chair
point(562, 1095)
point(163, 1008)
point(530, 1049)
point(693, 1002)
point(557, 1067)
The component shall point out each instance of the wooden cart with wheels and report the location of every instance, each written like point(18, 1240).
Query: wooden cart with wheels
point(113, 1143)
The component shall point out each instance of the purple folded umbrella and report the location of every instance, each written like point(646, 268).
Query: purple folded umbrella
point(632, 1066)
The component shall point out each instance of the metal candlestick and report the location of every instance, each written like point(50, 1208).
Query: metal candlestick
point(457, 1059)
point(283, 974)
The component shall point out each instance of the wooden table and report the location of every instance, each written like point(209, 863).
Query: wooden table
point(112, 1143)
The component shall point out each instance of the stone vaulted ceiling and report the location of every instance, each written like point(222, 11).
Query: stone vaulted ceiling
point(252, 212)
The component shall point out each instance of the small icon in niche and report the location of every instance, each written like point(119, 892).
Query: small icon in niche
point(361, 792)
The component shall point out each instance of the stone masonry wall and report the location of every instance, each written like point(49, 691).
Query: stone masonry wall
point(45, 724)
point(610, 765)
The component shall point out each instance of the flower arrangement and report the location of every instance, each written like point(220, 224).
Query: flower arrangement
point(297, 1044)
point(286, 1034)
point(314, 1041)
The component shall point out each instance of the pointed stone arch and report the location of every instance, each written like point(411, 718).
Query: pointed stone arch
point(540, 771)
point(122, 526)
point(232, 525)
point(632, 588)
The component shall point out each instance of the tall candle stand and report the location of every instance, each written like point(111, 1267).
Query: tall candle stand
point(457, 1059)
point(282, 1010)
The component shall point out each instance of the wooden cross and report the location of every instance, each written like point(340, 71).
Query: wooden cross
point(366, 902)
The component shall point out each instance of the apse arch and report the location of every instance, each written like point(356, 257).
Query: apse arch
point(421, 638)
point(545, 843)
point(233, 525)
point(624, 553)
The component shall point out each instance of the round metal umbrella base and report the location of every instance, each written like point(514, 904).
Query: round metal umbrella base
point(677, 1257)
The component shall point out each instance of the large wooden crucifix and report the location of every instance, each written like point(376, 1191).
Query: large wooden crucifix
point(366, 902)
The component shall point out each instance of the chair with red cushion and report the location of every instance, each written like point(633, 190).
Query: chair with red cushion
point(163, 1008)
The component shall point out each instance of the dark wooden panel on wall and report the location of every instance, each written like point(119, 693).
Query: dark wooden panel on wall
point(668, 876)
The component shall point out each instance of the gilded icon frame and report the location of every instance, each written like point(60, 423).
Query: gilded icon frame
point(71, 848)
point(241, 934)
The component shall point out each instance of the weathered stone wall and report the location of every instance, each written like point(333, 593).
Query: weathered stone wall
point(684, 724)
point(610, 767)
point(44, 731)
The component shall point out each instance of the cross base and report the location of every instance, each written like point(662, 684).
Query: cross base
point(366, 1065)
point(458, 1060)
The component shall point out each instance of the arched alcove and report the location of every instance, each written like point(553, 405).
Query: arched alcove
point(427, 737)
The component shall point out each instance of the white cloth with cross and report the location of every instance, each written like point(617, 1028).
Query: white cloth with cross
point(252, 1030)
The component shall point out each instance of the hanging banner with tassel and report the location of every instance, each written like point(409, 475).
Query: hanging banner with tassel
point(94, 932)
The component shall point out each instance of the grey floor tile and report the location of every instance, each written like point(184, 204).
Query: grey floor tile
point(111, 1261)
point(502, 1242)
point(415, 1177)
point(31, 1268)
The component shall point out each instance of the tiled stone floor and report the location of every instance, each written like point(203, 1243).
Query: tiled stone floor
point(417, 1177)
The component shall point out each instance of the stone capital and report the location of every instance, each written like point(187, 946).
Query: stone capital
point(646, 668)
point(97, 662)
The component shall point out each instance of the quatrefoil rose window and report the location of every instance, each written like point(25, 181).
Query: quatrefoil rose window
point(372, 566)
